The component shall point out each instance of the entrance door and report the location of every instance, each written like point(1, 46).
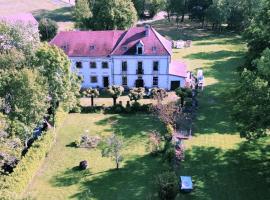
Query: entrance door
point(105, 81)
point(139, 83)
point(175, 85)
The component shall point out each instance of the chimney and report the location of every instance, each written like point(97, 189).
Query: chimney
point(147, 30)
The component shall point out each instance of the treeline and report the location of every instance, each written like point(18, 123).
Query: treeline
point(34, 79)
point(252, 96)
point(122, 14)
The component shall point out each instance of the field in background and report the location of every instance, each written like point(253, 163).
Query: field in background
point(57, 10)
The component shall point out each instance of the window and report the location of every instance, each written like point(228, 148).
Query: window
point(93, 65)
point(154, 49)
point(124, 48)
point(140, 67)
point(140, 50)
point(124, 81)
point(124, 66)
point(79, 65)
point(155, 81)
point(93, 79)
point(105, 65)
point(92, 47)
point(155, 66)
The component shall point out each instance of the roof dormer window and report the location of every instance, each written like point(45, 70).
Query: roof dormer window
point(124, 48)
point(140, 48)
point(92, 47)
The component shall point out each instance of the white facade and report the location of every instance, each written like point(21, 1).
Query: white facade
point(114, 74)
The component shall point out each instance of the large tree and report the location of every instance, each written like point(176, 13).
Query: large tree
point(258, 33)
point(82, 12)
point(251, 107)
point(25, 98)
point(47, 29)
point(23, 37)
point(112, 14)
point(63, 84)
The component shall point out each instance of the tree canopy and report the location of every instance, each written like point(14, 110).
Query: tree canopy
point(47, 29)
point(105, 14)
point(55, 66)
point(252, 96)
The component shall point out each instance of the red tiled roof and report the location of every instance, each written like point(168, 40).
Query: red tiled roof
point(78, 43)
point(20, 17)
point(152, 40)
point(178, 68)
point(113, 42)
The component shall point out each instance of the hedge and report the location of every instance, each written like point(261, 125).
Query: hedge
point(13, 185)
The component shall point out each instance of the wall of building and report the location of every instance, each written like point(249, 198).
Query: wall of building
point(177, 78)
point(86, 72)
point(114, 71)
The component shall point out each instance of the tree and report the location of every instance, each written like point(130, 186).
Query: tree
point(82, 13)
point(112, 14)
point(176, 7)
point(167, 184)
point(183, 93)
point(7, 61)
point(47, 29)
point(154, 6)
point(159, 94)
point(136, 94)
point(115, 91)
point(23, 37)
point(197, 9)
point(217, 14)
point(92, 93)
point(251, 99)
point(25, 95)
point(112, 148)
point(63, 85)
point(258, 34)
point(140, 7)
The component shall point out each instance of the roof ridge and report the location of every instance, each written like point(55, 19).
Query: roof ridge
point(155, 32)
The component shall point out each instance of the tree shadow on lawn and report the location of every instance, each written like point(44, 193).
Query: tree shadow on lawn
point(241, 173)
point(134, 180)
point(132, 125)
point(215, 55)
point(63, 14)
point(215, 101)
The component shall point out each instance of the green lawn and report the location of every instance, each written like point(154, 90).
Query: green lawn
point(223, 165)
point(59, 178)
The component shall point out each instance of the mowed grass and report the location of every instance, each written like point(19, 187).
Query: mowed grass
point(223, 165)
point(59, 177)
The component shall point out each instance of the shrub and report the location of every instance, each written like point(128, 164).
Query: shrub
point(14, 184)
point(169, 132)
point(154, 142)
point(167, 184)
point(116, 109)
point(88, 141)
point(169, 152)
point(90, 109)
point(83, 165)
